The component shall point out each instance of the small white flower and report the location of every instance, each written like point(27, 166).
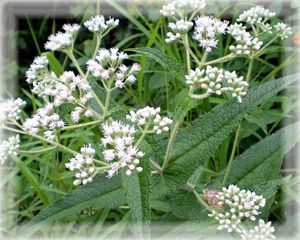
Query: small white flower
point(9, 147)
point(283, 30)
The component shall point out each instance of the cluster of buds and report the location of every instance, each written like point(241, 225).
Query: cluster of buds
point(119, 150)
point(244, 42)
point(211, 80)
point(45, 118)
point(148, 114)
point(9, 147)
point(108, 65)
point(262, 231)
point(178, 7)
point(97, 24)
point(84, 163)
point(236, 85)
point(256, 15)
point(179, 28)
point(282, 30)
point(207, 28)
point(62, 41)
point(37, 69)
point(11, 109)
point(234, 206)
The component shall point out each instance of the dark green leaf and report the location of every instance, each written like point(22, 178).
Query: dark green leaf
point(54, 63)
point(102, 192)
point(137, 187)
point(183, 108)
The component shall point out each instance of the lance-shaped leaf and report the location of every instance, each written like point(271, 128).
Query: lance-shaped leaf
point(102, 192)
point(261, 162)
point(137, 187)
point(194, 144)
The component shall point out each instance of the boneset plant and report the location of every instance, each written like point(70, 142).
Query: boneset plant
point(119, 165)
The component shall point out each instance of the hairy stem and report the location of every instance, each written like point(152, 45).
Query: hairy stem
point(170, 144)
point(232, 154)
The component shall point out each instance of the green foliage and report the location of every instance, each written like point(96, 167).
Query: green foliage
point(201, 138)
point(102, 192)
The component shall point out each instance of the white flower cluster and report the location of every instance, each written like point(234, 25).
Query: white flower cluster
point(119, 150)
point(262, 231)
point(9, 147)
point(45, 118)
point(65, 88)
point(36, 69)
point(256, 15)
point(108, 64)
point(240, 204)
point(84, 163)
point(11, 109)
point(97, 24)
point(62, 41)
point(148, 114)
point(283, 30)
point(236, 85)
point(207, 29)
point(180, 6)
point(244, 42)
point(179, 28)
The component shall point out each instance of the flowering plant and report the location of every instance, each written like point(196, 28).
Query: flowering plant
point(151, 159)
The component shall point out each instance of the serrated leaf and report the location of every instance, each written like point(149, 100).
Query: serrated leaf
point(54, 63)
point(194, 144)
point(261, 162)
point(102, 192)
point(171, 64)
point(185, 205)
point(137, 187)
point(44, 166)
point(183, 108)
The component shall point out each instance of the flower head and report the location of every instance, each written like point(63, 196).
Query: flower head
point(11, 109)
point(9, 147)
point(97, 24)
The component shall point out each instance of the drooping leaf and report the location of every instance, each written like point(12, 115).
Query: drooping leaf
point(102, 192)
point(194, 144)
point(183, 107)
point(44, 166)
point(137, 187)
point(171, 64)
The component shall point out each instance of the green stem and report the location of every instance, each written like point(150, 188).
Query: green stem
point(144, 132)
point(222, 59)
point(170, 144)
point(200, 96)
point(81, 125)
point(106, 102)
point(188, 60)
point(272, 40)
point(33, 35)
point(95, 52)
point(200, 199)
point(232, 154)
point(250, 69)
point(155, 166)
point(36, 151)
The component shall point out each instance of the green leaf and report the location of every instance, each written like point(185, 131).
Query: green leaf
point(54, 63)
point(261, 162)
point(194, 144)
point(183, 107)
point(258, 117)
point(185, 205)
point(44, 167)
point(138, 195)
point(171, 64)
point(102, 192)
point(193, 230)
